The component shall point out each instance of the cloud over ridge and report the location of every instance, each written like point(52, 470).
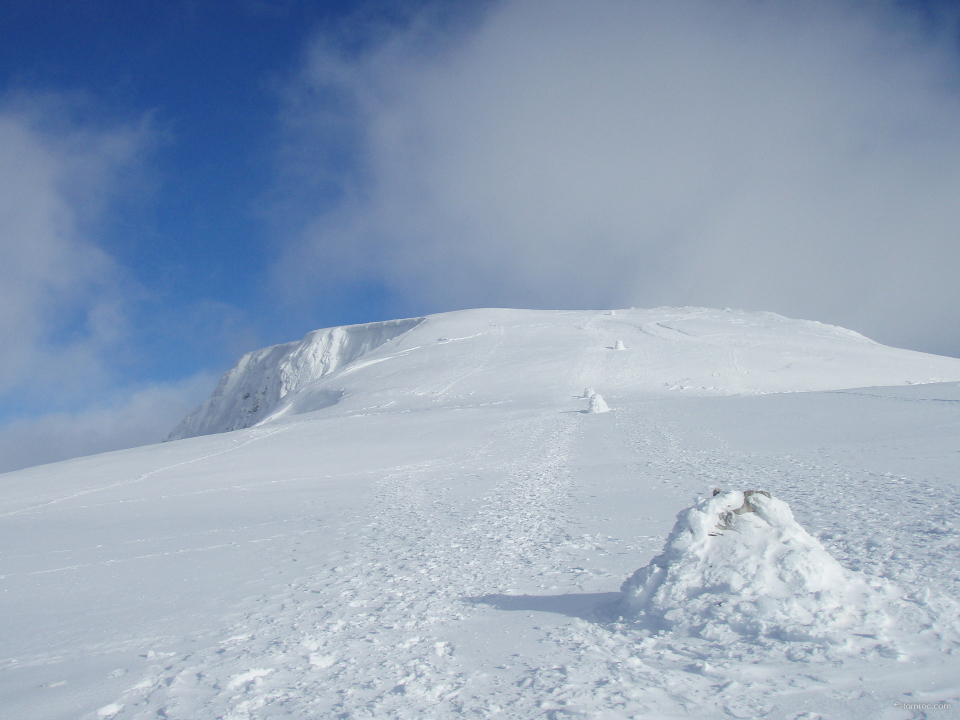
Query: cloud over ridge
point(802, 158)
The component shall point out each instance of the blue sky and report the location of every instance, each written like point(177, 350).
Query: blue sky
point(181, 182)
point(207, 78)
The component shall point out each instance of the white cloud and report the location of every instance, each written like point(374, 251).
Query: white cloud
point(66, 305)
point(139, 418)
point(796, 157)
point(62, 298)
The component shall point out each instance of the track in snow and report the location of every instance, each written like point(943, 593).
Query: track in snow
point(368, 635)
point(476, 586)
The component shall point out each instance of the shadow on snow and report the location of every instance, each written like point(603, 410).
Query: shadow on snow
point(593, 607)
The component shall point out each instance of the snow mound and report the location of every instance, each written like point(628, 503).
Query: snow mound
point(262, 379)
point(739, 566)
point(598, 404)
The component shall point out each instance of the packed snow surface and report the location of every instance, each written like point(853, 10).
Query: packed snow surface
point(422, 520)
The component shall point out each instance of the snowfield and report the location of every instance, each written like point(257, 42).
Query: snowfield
point(509, 514)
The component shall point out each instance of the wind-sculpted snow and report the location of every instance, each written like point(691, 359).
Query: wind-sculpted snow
point(263, 378)
point(740, 566)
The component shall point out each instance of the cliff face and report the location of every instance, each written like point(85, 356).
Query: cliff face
point(263, 378)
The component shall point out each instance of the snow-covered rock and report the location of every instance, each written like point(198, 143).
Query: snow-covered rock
point(739, 565)
point(262, 379)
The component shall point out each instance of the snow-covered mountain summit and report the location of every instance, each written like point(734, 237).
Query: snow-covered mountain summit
point(475, 357)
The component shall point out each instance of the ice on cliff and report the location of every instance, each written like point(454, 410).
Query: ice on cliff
point(262, 379)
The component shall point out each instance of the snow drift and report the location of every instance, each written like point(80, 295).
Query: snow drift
point(262, 379)
point(739, 566)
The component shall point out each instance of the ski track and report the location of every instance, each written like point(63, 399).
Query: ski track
point(33, 509)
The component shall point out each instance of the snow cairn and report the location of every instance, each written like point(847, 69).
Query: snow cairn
point(738, 566)
point(597, 403)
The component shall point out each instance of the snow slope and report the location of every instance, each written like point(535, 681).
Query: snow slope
point(450, 537)
point(528, 353)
